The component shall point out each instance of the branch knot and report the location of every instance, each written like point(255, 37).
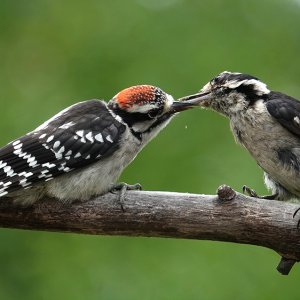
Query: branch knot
point(226, 193)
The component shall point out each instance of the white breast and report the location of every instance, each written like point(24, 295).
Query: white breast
point(97, 178)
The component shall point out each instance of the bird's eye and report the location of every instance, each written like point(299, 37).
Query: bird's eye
point(156, 112)
point(225, 90)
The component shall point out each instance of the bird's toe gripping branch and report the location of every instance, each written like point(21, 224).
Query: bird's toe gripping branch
point(252, 193)
point(122, 187)
point(294, 215)
point(226, 193)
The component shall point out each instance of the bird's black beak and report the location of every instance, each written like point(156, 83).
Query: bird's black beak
point(199, 99)
point(178, 106)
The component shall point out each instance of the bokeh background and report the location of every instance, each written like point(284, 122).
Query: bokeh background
point(54, 53)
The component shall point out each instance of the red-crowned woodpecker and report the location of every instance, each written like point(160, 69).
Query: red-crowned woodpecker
point(81, 151)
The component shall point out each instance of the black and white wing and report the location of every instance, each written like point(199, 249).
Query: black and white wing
point(286, 110)
point(72, 139)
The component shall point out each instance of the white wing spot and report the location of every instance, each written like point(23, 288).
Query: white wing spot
point(48, 165)
point(25, 174)
point(89, 137)
point(9, 171)
point(79, 133)
point(58, 155)
point(6, 169)
point(42, 176)
point(61, 150)
point(99, 137)
point(297, 120)
point(77, 155)
point(2, 164)
point(66, 125)
point(16, 142)
point(33, 163)
point(50, 138)
point(108, 138)
point(22, 181)
point(17, 152)
point(62, 166)
point(42, 136)
point(3, 193)
point(56, 144)
point(18, 146)
point(69, 153)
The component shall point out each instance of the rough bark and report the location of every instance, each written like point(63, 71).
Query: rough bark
point(228, 216)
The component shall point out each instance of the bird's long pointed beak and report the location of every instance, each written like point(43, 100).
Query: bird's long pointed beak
point(178, 106)
point(199, 99)
point(191, 101)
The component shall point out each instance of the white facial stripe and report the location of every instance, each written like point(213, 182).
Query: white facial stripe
point(168, 102)
point(259, 86)
point(234, 83)
point(142, 108)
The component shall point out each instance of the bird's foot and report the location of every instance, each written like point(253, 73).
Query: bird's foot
point(252, 193)
point(122, 188)
point(294, 215)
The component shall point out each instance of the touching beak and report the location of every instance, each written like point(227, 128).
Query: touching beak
point(199, 99)
point(178, 106)
point(191, 101)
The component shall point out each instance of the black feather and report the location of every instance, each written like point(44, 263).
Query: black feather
point(286, 110)
point(90, 118)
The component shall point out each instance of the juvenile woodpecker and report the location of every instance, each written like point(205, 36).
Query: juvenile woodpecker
point(265, 122)
point(82, 150)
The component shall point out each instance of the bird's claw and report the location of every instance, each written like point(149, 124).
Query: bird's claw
point(294, 215)
point(122, 188)
point(249, 191)
point(252, 193)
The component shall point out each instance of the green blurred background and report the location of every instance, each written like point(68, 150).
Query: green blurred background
point(54, 53)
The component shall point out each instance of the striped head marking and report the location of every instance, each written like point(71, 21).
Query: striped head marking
point(142, 99)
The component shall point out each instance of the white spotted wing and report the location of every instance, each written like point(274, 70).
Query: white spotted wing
point(74, 138)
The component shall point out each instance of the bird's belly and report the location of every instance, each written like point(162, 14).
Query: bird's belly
point(269, 149)
point(96, 179)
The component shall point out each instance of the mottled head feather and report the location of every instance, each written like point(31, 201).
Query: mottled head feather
point(249, 85)
point(139, 95)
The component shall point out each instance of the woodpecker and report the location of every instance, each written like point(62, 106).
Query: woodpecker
point(81, 151)
point(265, 122)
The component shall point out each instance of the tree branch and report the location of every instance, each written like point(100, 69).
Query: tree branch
point(229, 216)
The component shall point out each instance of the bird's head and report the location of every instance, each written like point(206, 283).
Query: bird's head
point(230, 93)
point(144, 107)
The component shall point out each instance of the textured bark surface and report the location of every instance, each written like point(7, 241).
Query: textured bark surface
point(228, 216)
